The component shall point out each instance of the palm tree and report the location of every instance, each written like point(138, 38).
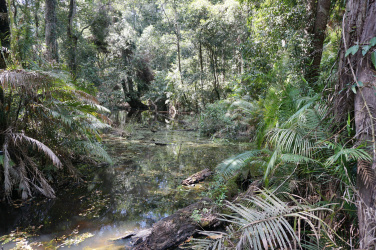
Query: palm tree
point(312, 163)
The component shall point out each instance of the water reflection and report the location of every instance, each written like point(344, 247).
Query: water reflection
point(141, 187)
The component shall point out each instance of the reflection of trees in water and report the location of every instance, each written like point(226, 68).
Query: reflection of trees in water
point(52, 214)
point(142, 186)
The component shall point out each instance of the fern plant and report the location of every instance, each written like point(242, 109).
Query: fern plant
point(44, 119)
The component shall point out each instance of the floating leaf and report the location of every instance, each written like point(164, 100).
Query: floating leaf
point(352, 50)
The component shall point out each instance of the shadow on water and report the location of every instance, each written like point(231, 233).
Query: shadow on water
point(140, 188)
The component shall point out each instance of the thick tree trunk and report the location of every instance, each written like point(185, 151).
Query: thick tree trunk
point(51, 31)
point(359, 28)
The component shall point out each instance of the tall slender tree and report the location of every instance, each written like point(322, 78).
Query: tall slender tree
point(51, 30)
point(319, 11)
point(72, 39)
point(4, 31)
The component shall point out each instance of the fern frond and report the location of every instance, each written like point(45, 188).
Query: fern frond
point(40, 146)
point(24, 185)
point(95, 149)
point(38, 178)
point(6, 166)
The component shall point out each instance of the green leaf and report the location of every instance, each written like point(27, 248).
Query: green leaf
point(372, 42)
point(352, 50)
point(353, 89)
point(360, 84)
point(373, 58)
point(365, 49)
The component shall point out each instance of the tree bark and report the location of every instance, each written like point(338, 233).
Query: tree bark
point(320, 11)
point(201, 74)
point(358, 29)
point(72, 39)
point(51, 30)
point(177, 32)
point(4, 32)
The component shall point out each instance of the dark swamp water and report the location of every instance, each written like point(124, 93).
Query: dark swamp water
point(140, 188)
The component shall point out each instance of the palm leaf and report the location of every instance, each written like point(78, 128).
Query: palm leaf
point(349, 153)
point(295, 158)
point(265, 224)
point(233, 165)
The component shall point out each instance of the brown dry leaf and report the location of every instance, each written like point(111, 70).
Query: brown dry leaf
point(189, 239)
point(215, 236)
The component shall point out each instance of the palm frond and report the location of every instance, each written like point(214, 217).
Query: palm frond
point(292, 140)
point(233, 165)
point(265, 223)
point(302, 110)
point(366, 173)
point(213, 240)
point(349, 154)
point(295, 158)
point(271, 164)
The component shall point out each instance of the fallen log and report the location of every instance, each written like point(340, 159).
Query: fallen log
point(175, 229)
point(197, 177)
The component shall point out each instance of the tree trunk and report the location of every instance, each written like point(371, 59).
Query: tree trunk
point(3, 120)
point(4, 32)
point(201, 75)
point(72, 39)
point(321, 8)
point(359, 28)
point(177, 32)
point(51, 31)
point(214, 65)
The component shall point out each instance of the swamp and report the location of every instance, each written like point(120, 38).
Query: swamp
point(187, 124)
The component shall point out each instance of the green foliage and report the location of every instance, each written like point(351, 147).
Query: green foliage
point(265, 221)
point(215, 119)
point(64, 119)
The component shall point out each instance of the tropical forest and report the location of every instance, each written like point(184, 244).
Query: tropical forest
point(188, 124)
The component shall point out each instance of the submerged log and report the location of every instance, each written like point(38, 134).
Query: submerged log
point(197, 177)
point(175, 229)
